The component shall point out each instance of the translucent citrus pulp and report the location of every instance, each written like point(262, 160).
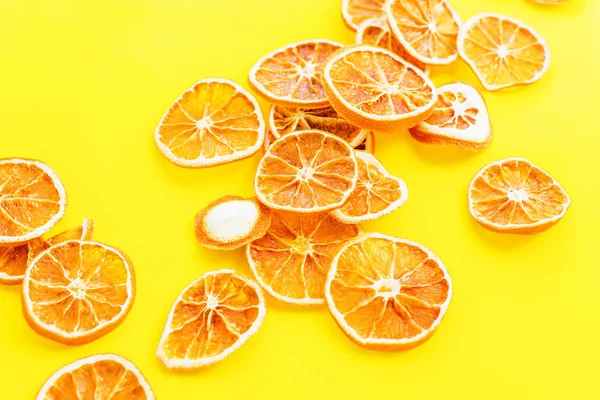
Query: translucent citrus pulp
point(210, 319)
point(291, 261)
point(516, 196)
point(214, 122)
point(306, 171)
point(503, 51)
point(387, 293)
point(355, 12)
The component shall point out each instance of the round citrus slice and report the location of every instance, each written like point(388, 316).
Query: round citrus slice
point(291, 76)
point(376, 89)
point(387, 293)
point(77, 291)
point(211, 318)
point(368, 144)
point(516, 196)
point(291, 261)
point(460, 118)
point(99, 377)
point(214, 122)
point(355, 12)
point(426, 29)
point(32, 200)
point(503, 51)
point(83, 232)
point(306, 172)
point(232, 222)
point(377, 192)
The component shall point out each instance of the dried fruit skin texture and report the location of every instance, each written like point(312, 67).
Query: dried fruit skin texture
point(355, 12)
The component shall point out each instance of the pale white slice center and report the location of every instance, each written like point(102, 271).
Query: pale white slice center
point(231, 221)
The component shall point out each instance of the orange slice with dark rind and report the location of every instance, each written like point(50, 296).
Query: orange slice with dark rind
point(355, 12)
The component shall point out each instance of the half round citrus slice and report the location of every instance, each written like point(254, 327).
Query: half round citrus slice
point(355, 12)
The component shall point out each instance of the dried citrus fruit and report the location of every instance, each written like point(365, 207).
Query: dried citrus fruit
point(211, 318)
point(503, 51)
point(355, 12)
point(368, 144)
point(83, 232)
point(76, 291)
point(269, 139)
point(377, 192)
point(291, 76)
point(387, 293)
point(214, 122)
point(376, 89)
point(460, 118)
point(32, 200)
point(306, 171)
point(291, 261)
point(99, 377)
point(516, 196)
point(232, 222)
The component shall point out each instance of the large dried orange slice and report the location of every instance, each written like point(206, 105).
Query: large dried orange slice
point(77, 291)
point(376, 89)
point(355, 12)
point(291, 261)
point(291, 76)
point(214, 122)
point(211, 318)
point(306, 171)
point(503, 51)
point(387, 293)
point(516, 196)
point(99, 377)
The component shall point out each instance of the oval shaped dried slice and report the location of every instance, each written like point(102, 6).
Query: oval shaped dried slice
point(291, 261)
point(387, 293)
point(376, 89)
point(516, 196)
point(306, 172)
point(211, 318)
point(215, 121)
point(460, 118)
point(503, 51)
point(356, 12)
point(368, 144)
point(77, 291)
point(292, 76)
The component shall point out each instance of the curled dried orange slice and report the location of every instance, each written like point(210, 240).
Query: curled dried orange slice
point(516, 196)
point(387, 293)
point(355, 12)
point(210, 319)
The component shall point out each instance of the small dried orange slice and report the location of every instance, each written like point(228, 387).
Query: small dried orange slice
point(211, 318)
point(516, 196)
point(291, 76)
point(387, 293)
point(368, 144)
point(99, 377)
point(215, 121)
point(503, 51)
point(376, 89)
point(77, 291)
point(306, 172)
point(460, 118)
point(291, 261)
point(355, 12)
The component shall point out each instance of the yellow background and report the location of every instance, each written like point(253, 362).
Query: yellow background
point(84, 83)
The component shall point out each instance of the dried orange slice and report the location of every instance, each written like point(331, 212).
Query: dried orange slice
point(215, 121)
point(77, 291)
point(291, 76)
point(376, 89)
point(291, 261)
point(516, 196)
point(269, 139)
point(368, 144)
point(460, 118)
point(32, 200)
point(232, 222)
point(83, 232)
point(387, 293)
point(356, 12)
point(99, 377)
point(377, 192)
point(307, 172)
point(211, 318)
point(283, 120)
point(503, 51)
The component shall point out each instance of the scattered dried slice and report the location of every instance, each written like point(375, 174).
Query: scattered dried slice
point(368, 144)
point(99, 377)
point(291, 261)
point(516, 196)
point(503, 51)
point(77, 291)
point(387, 293)
point(215, 121)
point(356, 12)
point(210, 319)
